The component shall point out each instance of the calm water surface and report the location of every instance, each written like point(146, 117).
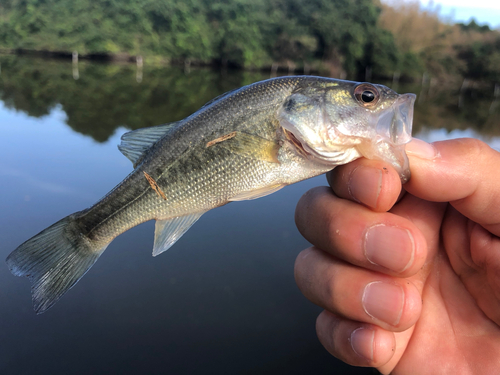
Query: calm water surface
point(223, 300)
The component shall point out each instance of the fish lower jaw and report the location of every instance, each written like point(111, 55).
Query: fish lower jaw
point(385, 150)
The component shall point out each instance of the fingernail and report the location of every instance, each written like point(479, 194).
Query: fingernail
point(389, 247)
point(384, 301)
point(362, 342)
point(421, 149)
point(364, 185)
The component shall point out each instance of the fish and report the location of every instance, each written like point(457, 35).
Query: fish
point(245, 144)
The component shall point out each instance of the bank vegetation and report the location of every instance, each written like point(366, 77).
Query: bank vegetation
point(357, 39)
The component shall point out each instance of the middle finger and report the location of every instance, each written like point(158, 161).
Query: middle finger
point(355, 293)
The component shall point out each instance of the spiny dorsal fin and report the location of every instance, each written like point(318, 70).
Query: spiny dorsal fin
point(136, 142)
point(167, 232)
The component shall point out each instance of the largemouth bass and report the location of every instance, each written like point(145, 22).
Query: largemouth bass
point(245, 144)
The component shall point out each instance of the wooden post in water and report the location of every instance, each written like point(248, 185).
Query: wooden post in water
point(395, 80)
point(223, 67)
point(425, 78)
point(465, 85)
point(74, 59)
point(187, 66)
point(138, 72)
point(425, 81)
point(307, 69)
point(496, 98)
point(432, 84)
point(274, 69)
point(368, 74)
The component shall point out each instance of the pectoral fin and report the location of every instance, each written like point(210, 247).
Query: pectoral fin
point(258, 193)
point(167, 232)
point(248, 145)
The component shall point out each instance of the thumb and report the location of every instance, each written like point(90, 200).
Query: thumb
point(464, 172)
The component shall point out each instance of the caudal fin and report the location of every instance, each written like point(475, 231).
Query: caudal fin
point(54, 260)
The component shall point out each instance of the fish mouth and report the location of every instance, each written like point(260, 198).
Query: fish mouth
point(395, 123)
point(393, 132)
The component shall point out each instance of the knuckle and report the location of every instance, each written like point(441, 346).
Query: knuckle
point(308, 200)
point(412, 306)
point(327, 329)
point(299, 267)
point(474, 149)
point(332, 230)
point(330, 289)
point(301, 263)
point(310, 210)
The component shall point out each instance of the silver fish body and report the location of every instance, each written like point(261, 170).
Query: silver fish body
point(242, 145)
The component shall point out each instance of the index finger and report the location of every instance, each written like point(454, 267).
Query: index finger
point(374, 183)
point(463, 172)
point(383, 242)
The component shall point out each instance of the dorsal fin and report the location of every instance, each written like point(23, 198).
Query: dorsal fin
point(136, 142)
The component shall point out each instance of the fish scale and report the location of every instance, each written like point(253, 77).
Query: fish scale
point(242, 145)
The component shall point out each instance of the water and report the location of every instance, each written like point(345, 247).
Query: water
point(222, 300)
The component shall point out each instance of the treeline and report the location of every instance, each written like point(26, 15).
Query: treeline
point(443, 49)
point(346, 38)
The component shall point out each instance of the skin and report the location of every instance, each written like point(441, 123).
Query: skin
point(410, 281)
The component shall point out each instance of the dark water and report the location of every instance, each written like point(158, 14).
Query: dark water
point(223, 300)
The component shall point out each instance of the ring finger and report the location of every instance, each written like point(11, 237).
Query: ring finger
point(355, 293)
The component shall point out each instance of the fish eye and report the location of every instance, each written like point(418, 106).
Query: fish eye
point(367, 95)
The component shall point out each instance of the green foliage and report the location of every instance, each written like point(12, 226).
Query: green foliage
point(338, 37)
point(382, 55)
point(238, 26)
point(245, 33)
point(481, 60)
point(474, 26)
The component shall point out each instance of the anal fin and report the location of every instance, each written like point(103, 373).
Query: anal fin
point(167, 232)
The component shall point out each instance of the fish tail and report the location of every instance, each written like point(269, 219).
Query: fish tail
point(54, 260)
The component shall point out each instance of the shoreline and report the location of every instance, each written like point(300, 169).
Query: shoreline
point(275, 69)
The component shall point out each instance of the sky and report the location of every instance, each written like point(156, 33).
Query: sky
point(484, 11)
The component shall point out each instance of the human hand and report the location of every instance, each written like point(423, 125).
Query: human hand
point(411, 287)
